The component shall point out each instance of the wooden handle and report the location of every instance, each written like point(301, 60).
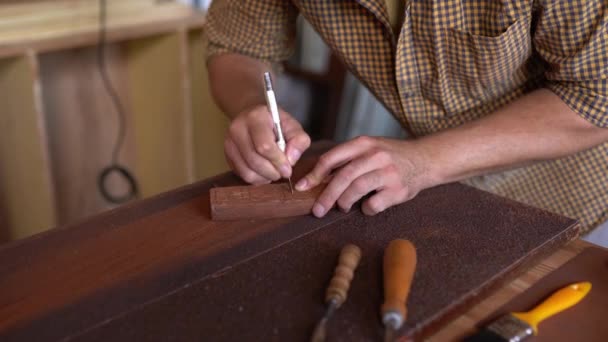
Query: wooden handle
point(343, 274)
point(399, 266)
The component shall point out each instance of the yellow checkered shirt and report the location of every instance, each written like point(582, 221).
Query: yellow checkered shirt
point(456, 61)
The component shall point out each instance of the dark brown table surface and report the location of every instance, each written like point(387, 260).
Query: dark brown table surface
point(119, 275)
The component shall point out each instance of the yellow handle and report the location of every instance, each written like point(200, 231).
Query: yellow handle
point(556, 303)
point(399, 266)
point(343, 274)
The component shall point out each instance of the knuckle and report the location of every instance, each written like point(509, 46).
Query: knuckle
point(233, 128)
point(249, 176)
point(254, 112)
point(306, 140)
point(375, 206)
point(363, 140)
point(360, 186)
point(324, 161)
point(347, 173)
point(391, 170)
point(263, 148)
point(381, 156)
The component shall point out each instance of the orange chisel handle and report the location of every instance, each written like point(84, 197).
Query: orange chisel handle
point(343, 274)
point(399, 266)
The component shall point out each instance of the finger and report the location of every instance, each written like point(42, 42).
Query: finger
point(297, 139)
point(360, 187)
point(239, 166)
point(382, 200)
point(296, 147)
point(260, 165)
point(265, 145)
point(344, 178)
point(332, 159)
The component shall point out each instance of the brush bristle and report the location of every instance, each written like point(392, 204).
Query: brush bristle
point(485, 336)
point(507, 328)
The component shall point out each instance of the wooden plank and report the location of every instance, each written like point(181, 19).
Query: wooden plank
point(261, 202)
point(52, 25)
point(27, 196)
point(157, 104)
point(127, 245)
point(584, 321)
point(186, 84)
point(209, 123)
point(163, 263)
point(464, 325)
point(83, 126)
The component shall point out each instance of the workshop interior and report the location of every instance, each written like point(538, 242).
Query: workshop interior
point(121, 218)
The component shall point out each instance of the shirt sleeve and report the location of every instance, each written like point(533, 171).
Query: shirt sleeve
point(572, 38)
point(264, 30)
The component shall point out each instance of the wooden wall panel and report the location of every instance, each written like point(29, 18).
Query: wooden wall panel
point(209, 123)
point(26, 191)
point(83, 125)
point(160, 117)
point(49, 25)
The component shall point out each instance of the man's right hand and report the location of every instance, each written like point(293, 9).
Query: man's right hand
point(251, 149)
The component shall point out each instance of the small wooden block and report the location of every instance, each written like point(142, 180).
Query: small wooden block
point(262, 201)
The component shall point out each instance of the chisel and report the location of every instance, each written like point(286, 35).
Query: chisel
point(399, 266)
point(518, 326)
point(338, 287)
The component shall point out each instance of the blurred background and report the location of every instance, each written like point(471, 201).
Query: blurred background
point(106, 102)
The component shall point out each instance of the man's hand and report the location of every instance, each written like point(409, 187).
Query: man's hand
point(251, 149)
point(392, 168)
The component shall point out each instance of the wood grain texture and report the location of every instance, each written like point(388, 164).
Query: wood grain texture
point(337, 290)
point(283, 288)
point(585, 321)
point(82, 124)
point(162, 269)
point(60, 24)
point(160, 117)
point(259, 202)
point(209, 123)
point(464, 325)
point(26, 191)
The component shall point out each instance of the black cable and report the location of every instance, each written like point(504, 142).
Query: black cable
point(114, 167)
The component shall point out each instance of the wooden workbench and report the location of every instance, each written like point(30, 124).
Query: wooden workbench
point(115, 276)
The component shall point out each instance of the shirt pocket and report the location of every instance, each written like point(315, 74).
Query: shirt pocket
point(479, 68)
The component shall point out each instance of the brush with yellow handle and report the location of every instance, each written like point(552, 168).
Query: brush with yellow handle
point(518, 326)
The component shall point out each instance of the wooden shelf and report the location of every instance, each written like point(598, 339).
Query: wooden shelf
point(55, 25)
point(58, 124)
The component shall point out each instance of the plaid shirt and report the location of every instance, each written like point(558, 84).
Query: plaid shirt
point(455, 61)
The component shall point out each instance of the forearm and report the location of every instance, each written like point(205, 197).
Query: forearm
point(536, 127)
point(236, 82)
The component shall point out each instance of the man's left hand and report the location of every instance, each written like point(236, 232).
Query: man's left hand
point(395, 169)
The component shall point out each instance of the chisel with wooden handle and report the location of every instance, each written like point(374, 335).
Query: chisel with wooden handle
point(399, 266)
point(338, 287)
